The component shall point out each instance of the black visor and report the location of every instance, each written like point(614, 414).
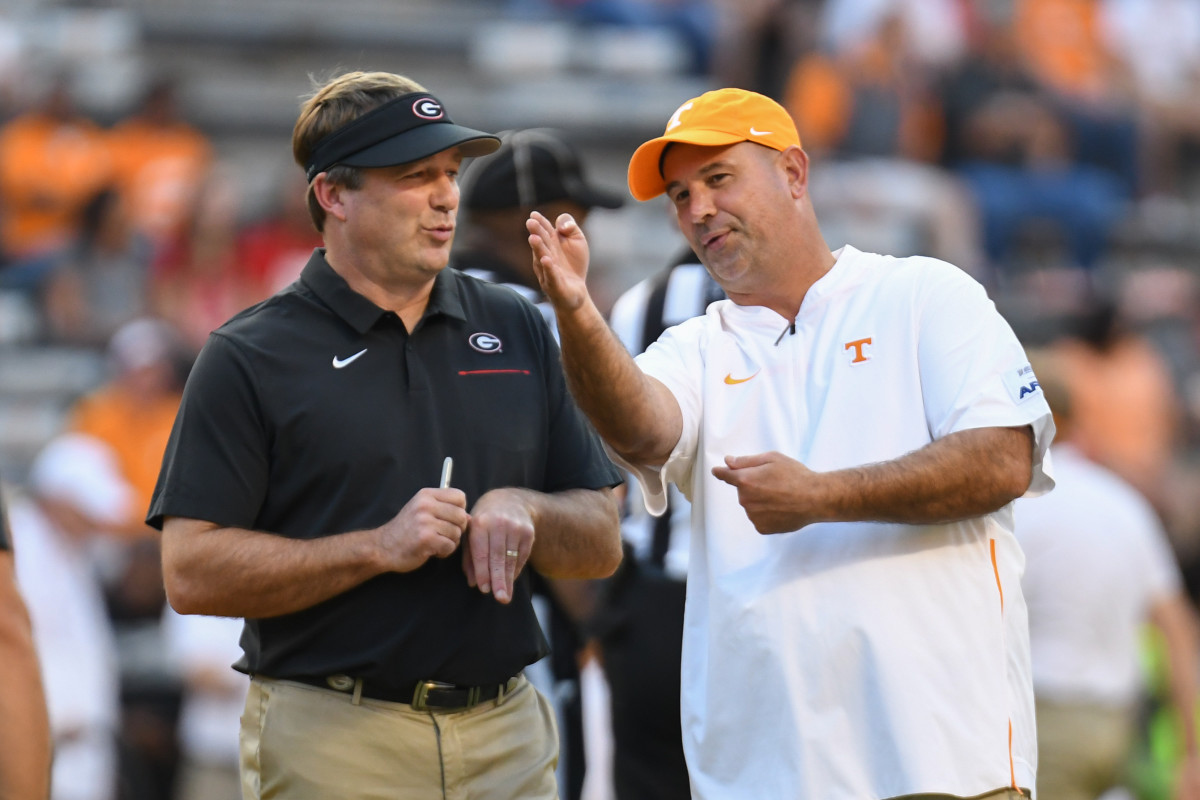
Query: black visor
point(406, 129)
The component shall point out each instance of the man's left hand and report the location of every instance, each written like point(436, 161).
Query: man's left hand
point(499, 540)
point(777, 492)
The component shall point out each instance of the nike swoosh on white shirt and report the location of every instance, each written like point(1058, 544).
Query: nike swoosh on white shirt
point(338, 363)
point(753, 132)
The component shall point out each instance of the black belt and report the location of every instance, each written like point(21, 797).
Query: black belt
point(422, 695)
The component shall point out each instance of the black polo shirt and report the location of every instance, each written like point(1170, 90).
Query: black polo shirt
point(316, 412)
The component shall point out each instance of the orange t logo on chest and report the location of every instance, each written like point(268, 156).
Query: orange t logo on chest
point(857, 345)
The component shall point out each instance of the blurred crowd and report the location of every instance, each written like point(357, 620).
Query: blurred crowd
point(1051, 148)
point(103, 225)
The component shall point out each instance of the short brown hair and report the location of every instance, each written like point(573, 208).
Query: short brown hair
point(333, 104)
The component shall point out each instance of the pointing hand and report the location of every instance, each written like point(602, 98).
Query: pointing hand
point(778, 493)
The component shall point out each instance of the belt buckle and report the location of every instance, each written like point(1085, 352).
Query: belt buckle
point(340, 683)
point(421, 693)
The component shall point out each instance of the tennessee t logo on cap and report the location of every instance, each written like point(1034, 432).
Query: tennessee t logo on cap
point(675, 121)
point(717, 119)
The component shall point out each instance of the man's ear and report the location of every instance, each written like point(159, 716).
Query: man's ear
point(330, 196)
point(795, 165)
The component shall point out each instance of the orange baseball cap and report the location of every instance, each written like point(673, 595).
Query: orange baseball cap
point(718, 118)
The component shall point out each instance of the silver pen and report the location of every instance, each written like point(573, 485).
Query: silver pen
point(447, 468)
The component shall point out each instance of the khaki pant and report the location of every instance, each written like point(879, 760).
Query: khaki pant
point(999, 794)
point(300, 742)
point(1082, 749)
point(197, 780)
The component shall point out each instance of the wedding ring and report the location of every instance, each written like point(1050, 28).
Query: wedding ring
point(511, 553)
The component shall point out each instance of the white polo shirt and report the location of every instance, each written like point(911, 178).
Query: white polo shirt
point(851, 661)
point(1099, 560)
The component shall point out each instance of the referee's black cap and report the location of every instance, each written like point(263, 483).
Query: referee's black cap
point(533, 167)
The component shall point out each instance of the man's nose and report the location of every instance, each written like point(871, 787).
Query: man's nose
point(446, 193)
point(702, 206)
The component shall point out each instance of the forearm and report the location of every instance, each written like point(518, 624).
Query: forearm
point(24, 727)
point(963, 475)
point(1177, 622)
point(232, 572)
point(577, 533)
point(636, 415)
point(25, 735)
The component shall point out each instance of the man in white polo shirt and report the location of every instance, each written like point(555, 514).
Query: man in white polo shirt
point(851, 430)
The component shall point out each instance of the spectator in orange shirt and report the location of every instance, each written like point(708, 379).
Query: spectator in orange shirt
point(161, 162)
point(872, 108)
point(874, 100)
point(134, 411)
point(133, 414)
point(1061, 43)
point(1127, 415)
point(1022, 151)
point(53, 163)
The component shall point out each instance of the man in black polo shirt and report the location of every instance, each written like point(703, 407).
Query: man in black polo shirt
point(24, 724)
point(300, 488)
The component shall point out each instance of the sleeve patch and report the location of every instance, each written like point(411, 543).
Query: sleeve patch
point(1022, 384)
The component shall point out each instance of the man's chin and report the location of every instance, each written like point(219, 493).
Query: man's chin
point(438, 261)
point(727, 273)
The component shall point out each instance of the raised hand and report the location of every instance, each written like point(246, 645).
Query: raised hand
point(560, 259)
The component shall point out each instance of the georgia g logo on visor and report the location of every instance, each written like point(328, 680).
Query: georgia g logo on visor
point(428, 108)
point(485, 342)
